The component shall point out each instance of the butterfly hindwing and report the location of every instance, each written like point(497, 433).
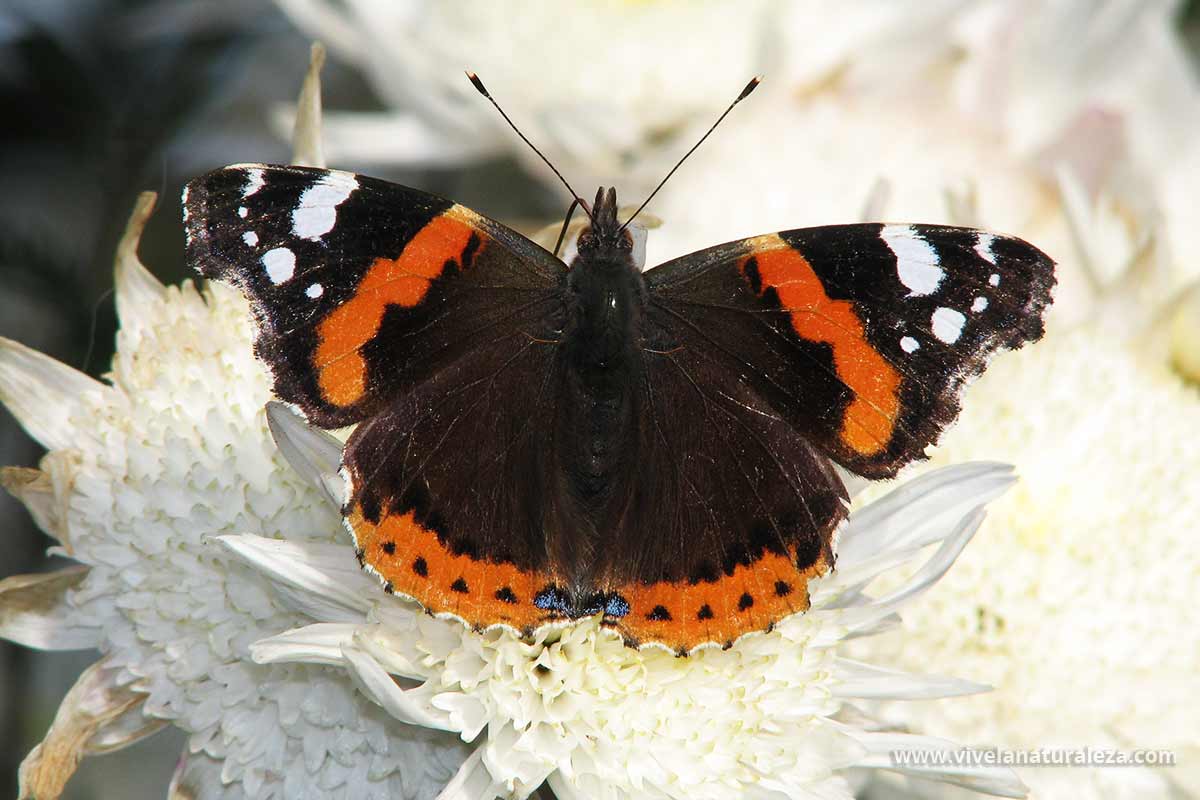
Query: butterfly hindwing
point(732, 511)
point(862, 336)
point(361, 287)
point(448, 503)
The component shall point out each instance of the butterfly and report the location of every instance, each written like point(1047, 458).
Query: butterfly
point(539, 441)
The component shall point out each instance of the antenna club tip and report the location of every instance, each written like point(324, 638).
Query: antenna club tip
point(478, 84)
point(750, 87)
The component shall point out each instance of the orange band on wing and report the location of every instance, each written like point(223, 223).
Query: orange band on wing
point(400, 281)
point(414, 563)
point(683, 615)
point(870, 418)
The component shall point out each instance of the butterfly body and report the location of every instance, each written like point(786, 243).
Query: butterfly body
point(539, 441)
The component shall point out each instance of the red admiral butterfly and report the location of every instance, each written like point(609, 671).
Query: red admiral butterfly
point(543, 441)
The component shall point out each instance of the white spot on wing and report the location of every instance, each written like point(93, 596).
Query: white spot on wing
point(994, 280)
point(242, 212)
point(983, 246)
point(250, 238)
point(916, 260)
point(908, 344)
point(947, 324)
point(315, 290)
point(317, 209)
point(254, 182)
point(979, 305)
point(280, 264)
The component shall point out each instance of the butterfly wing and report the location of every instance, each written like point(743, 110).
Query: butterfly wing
point(361, 288)
point(861, 336)
point(434, 328)
point(732, 511)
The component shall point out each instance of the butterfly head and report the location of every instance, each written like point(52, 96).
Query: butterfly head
point(605, 235)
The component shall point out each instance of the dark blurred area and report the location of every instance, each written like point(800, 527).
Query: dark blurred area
point(100, 100)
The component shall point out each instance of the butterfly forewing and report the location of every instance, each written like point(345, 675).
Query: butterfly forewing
point(361, 288)
point(861, 336)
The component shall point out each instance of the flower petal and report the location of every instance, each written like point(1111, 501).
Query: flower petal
point(472, 781)
point(320, 643)
point(43, 394)
point(34, 611)
point(35, 488)
point(379, 686)
point(306, 134)
point(314, 454)
point(869, 613)
point(317, 579)
point(882, 747)
point(93, 703)
point(866, 681)
point(906, 517)
point(197, 777)
point(136, 289)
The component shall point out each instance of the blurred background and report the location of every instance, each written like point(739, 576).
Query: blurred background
point(102, 99)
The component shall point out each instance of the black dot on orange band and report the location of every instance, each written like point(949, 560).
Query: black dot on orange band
point(705, 612)
point(387, 587)
point(389, 548)
point(506, 595)
point(420, 567)
point(783, 588)
point(659, 614)
point(459, 586)
point(745, 601)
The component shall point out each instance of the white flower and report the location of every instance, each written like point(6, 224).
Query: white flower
point(1078, 603)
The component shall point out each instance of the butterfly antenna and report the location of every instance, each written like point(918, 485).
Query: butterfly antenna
point(478, 84)
point(750, 87)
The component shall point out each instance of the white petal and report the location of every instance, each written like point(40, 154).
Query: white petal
point(867, 681)
point(999, 781)
point(93, 703)
point(313, 644)
point(198, 777)
point(43, 394)
point(314, 454)
point(929, 573)
point(123, 730)
point(320, 580)
point(35, 489)
point(406, 706)
point(472, 781)
point(34, 611)
point(136, 289)
point(306, 133)
point(906, 516)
